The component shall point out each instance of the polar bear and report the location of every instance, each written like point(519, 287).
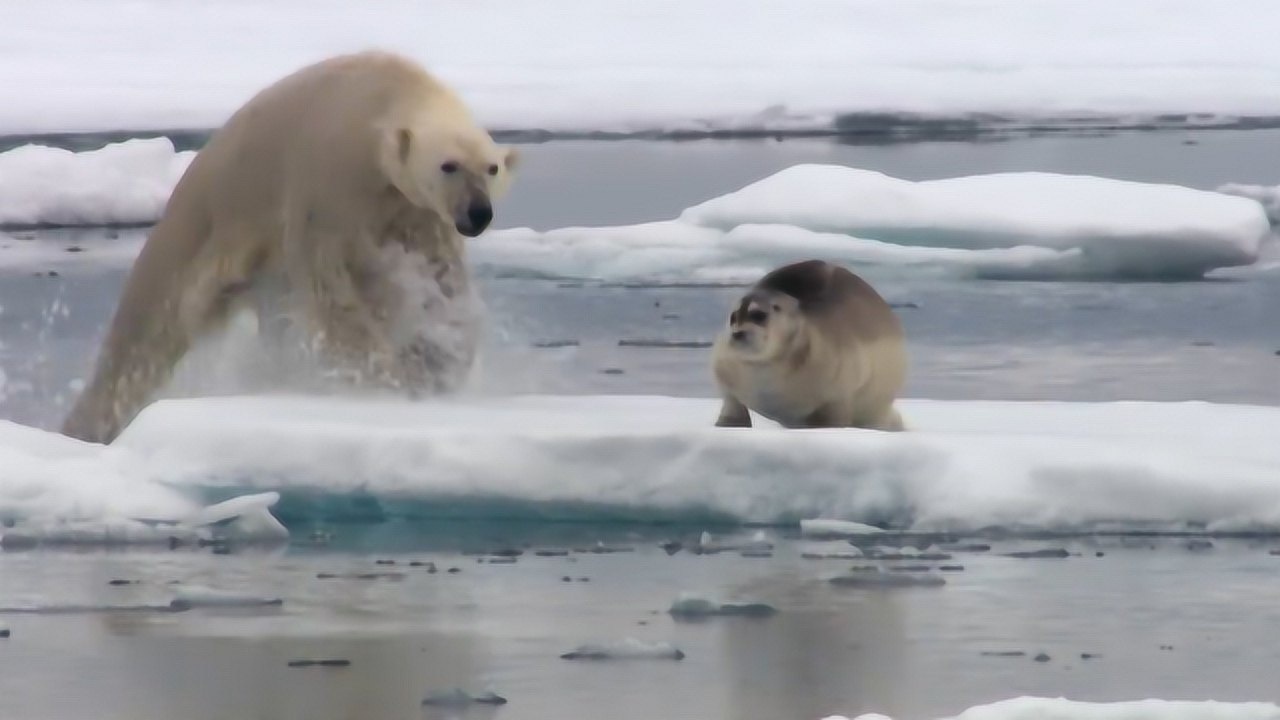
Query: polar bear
point(333, 184)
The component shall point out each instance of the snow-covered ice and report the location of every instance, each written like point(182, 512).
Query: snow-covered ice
point(1076, 224)
point(57, 489)
point(621, 66)
point(1268, 195)
point(125, 183)
point(1044, 708)
point(965, 465)
point(1004, 225)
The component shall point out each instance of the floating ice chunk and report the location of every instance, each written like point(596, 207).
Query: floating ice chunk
point(199, 597)
point(1115, 227)
point(830, 550)
point(707, 545)
point(459, 698)
point(693, 606)
point(828, 528)
point(125, 183)
point(244, 516)
point(626, 649)
point(1037, 708)
point(875, 579)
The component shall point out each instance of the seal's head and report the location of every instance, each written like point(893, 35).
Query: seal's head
point(763, 325)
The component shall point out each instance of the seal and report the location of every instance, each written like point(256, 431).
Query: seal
point(811, 345)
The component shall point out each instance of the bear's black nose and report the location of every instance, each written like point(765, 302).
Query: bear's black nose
point(480, 215)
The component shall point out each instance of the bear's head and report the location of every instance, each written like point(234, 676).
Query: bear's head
point(455, 170)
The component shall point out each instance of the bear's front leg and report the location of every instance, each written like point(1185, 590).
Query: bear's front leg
point(733, 414)
point(326, 263)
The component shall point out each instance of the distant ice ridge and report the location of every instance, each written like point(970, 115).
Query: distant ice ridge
point(1038, 708)
point(124, 183)
point(963, 466)
point(1004, 225)
point(614, 65)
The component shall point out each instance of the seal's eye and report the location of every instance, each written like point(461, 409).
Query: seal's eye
point(493, 169)
point(449, 168)
point(757, 316)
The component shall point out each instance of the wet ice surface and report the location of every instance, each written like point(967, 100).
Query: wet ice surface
point(1155, 619)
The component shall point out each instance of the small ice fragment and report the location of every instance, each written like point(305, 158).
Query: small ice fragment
point(626, 649)
point(328, 662)
point(690, 606)
point(964, 547)
point(459, 698)
point(886, 580)
point(201, 597)
point(1036, 554)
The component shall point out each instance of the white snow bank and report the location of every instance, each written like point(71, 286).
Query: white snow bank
point(1268, 195)
point(1036, 708)
point(619, 65)
point(964, 465)
point(124, 183)
point(999, 226)
point(1098, 226)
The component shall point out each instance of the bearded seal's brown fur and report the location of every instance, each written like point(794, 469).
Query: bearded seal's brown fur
point(811, 345)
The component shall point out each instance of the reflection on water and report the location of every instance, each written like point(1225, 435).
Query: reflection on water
point(1156, 619)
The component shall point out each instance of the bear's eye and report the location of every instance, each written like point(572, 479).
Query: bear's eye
point(777, 308)
point(493, 169)
point(449, 168)
point(757, 316)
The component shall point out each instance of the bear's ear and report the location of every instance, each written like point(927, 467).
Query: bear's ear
point(512, 159)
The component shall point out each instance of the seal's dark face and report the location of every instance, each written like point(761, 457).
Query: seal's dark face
point(762, 323)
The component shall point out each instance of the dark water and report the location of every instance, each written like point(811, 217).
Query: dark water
point(1157, 619)
point(1167, 621)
